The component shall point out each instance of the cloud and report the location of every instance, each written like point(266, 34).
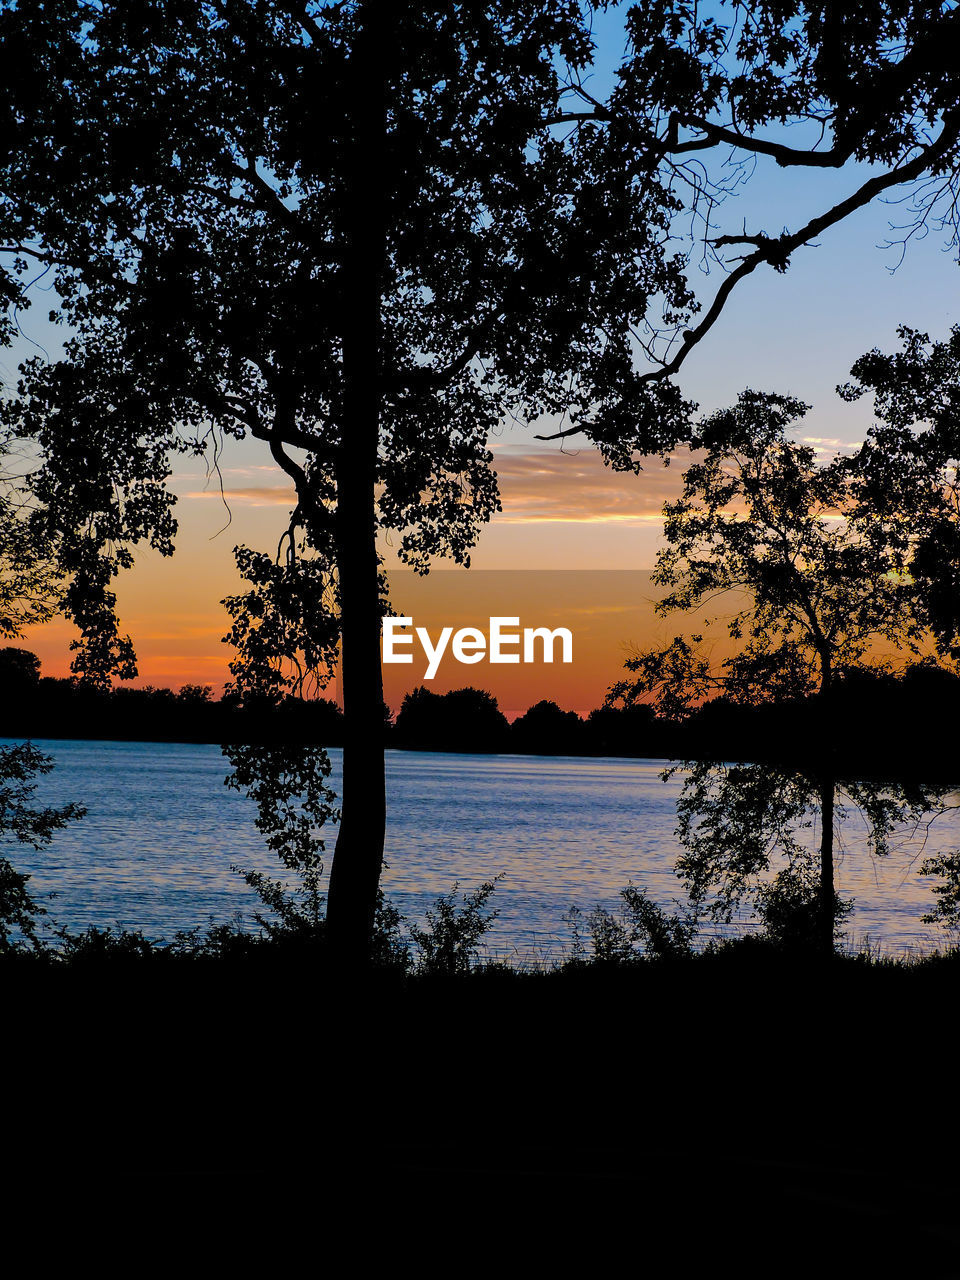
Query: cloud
point(229, 473)
point(830, 446)
point(254, 495)
point(598, 610)
point(545, 487)
point(541, 487)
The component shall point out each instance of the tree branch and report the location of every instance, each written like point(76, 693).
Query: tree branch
point(562, 435)
point(268, 201)
point(284, 426)
point(761, 240)
point(292, 435)
point(297, 439)
point(777, 249)
point(426, 377)
point(785, 156)
point(579, 117)
point(31, 253)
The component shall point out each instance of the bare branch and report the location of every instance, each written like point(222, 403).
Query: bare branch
point(777, 250)
point(579, 117)
point(761, 240)
point(30, 253)
point(562, 435)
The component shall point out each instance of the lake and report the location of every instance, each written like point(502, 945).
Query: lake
point(155, 849)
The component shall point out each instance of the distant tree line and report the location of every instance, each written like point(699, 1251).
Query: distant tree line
point(890, 724)
point(35, 706)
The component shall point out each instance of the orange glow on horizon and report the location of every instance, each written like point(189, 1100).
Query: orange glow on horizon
point(572, 548)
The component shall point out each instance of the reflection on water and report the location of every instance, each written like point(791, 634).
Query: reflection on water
point(155, 848)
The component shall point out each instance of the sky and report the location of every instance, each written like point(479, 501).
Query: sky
point(796, 333)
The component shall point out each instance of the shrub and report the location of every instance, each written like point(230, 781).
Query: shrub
point(639, 930)
point(790, 909)
point(450, 942)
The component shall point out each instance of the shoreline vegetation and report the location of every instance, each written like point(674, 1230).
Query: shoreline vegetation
point(891, 725)
point(635, 942)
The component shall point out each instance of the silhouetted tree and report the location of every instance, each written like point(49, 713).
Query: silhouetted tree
point(822, 582)
point(19, 669)
point(363, 233)
point(909, 472)
point(622, 730)
point(461, 720)
point(946, 909)
point(907, 467)
point(546, 729)
point(19, 685)
point(294, 802)
point(194, 695)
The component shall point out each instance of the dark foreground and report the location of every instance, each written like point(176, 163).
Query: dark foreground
point(706, 1118)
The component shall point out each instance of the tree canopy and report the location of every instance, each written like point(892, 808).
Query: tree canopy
point(907, 470)
point(201, 208)
point(185, 172)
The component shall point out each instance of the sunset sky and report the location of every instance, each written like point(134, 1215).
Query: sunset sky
point(796, 333)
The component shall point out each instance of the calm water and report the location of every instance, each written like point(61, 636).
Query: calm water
point(155, 849)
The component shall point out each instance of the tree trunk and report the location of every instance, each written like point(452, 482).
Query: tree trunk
point(358, 856)
point(828, 904)
point(827, 913)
